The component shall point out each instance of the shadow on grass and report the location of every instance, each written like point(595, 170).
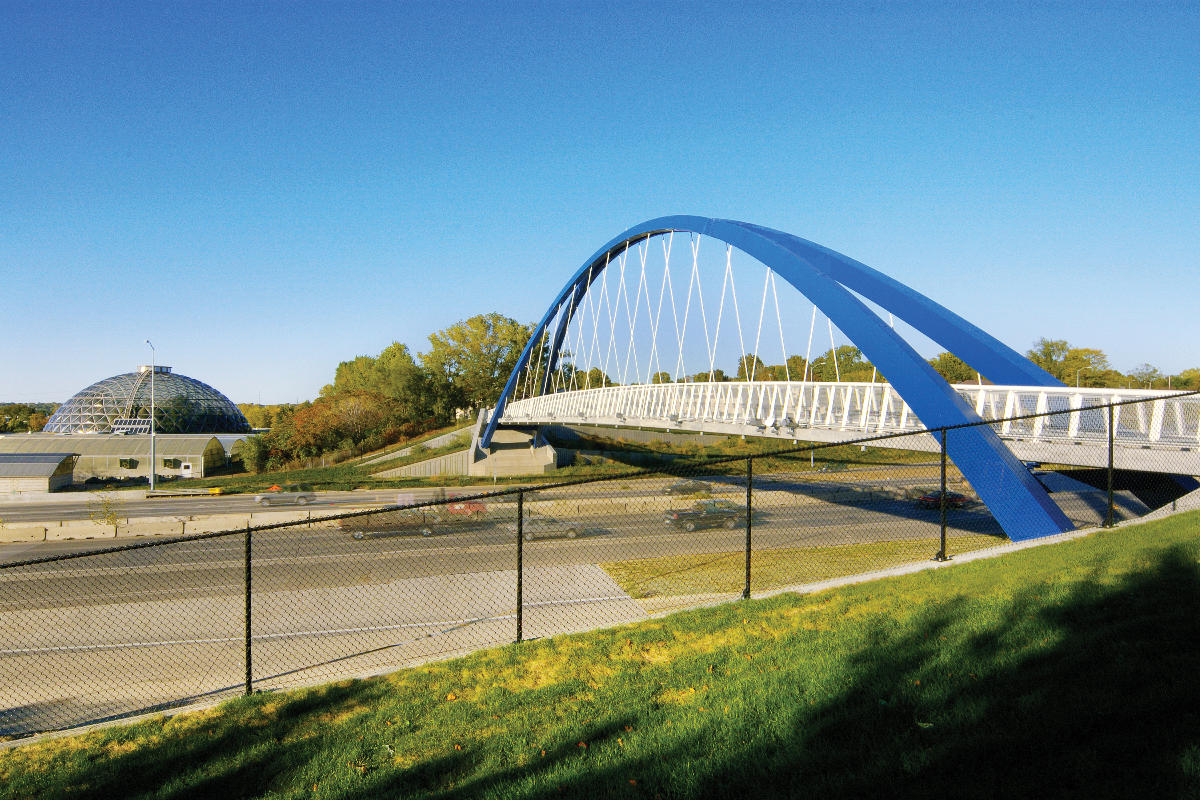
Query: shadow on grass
point(1108, 706)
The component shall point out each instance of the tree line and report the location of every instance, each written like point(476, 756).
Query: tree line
point(379, 400)
point(23, 417)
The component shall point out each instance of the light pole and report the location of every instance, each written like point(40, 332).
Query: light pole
point(152, 370)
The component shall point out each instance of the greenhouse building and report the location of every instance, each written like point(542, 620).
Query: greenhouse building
point(121, 404)
point(107, 425)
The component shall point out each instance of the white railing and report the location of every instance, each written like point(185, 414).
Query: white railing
point(872, 408)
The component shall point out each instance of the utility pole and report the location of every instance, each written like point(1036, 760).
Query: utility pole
point(152, 371)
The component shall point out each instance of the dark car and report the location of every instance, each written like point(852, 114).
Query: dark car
point(687, 487)
point(934, 500)
point(707, 514)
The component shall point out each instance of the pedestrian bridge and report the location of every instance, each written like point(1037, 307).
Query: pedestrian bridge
point(642, 333)
point(1057, 425)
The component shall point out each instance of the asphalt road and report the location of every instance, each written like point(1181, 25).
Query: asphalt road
point(80, 505)
point(107, 634)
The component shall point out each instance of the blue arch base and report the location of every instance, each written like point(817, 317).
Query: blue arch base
point(829, 279)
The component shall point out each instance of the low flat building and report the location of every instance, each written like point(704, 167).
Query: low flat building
point(35, 473)
point(125, 455)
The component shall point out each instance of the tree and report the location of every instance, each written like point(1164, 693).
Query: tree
point(37, 421)
point(1145, 374)
point(476, 356)
point(851, 366)
point(660, 377)
point(255, 450)
point(1188, 379)
point(1048, 354)
point(750, 366)
point(1083, 365)
point(952, 368)
point(797, 367)
point(594, 379)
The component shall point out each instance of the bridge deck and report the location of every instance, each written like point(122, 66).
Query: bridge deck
point(1073, 430)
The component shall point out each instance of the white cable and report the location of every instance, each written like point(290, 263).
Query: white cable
point(737, 314)
point(761, 312)
point(779, 321)
point(595, 327)
point(812, 325)
point(674, 306)
point(611, 317)
point(632, 320)
point(712, 350)
point(700, 294)
point(662, 290)
point(687, 308)
point(579, 320)
point(833, 352)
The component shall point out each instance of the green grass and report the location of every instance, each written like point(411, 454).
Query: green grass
point(416, 440)
point(422, 454)
point(1061, 671)
point(714, 447)
point(709, 573)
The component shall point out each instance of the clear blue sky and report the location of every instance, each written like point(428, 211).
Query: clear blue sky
point(265, 189)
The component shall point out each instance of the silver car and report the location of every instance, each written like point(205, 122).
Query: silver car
point(546, 527)
point(292, 494)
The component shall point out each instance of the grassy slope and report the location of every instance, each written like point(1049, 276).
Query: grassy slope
point(1067, 671)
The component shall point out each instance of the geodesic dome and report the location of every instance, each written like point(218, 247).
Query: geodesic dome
point(122, 404)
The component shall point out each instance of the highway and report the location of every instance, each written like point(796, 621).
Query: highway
point(107, 634)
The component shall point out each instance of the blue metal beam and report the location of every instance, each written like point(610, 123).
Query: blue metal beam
point(1015, 498)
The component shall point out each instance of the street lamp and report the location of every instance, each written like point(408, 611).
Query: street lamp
point(152, 370)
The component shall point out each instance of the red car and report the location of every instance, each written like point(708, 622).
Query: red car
point(934, 500)
point(465, 508)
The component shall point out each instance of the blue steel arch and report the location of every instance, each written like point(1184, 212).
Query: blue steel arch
point(1019, 503)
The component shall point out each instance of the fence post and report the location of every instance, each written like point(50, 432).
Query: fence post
point(520, 563)
point(249, 674)
point(749, 520)
point(1110, 516)
point(941, 553)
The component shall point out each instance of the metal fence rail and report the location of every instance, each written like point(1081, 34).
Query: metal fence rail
point(162, 623)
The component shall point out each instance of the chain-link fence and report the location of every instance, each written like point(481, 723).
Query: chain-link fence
point(162, 623)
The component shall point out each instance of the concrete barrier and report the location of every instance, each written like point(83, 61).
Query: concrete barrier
point(23, 534)
point(80, 529)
